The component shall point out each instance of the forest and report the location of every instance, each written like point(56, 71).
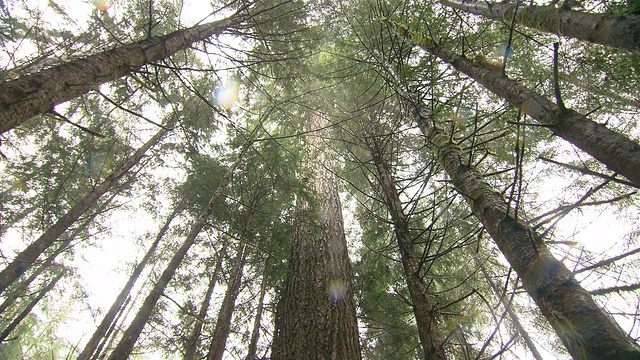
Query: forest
point(298, 179)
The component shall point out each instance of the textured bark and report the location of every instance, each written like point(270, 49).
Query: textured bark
point(194, 337)
point(512, 315)
point(126, 344)
point(110, 316)
point(424, 311)
point(586, 330)
point(255, 333)
point(6, 332)
point(28, 256)
point(316, 318)
point(28, 96)
point(223, 322)
point(615, 150)
point(622, 32)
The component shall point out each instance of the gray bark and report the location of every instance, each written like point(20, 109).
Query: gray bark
point(622, 32)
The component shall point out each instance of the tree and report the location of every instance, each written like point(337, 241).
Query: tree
point(34, 94)
point(28, 256)
point(316, 315)
point(129, 338)
point(621, 32)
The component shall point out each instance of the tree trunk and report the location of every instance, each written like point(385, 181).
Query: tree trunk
point(28, 256)
point(126, 344)
point(512, 315)
point(30, 307)
point(194, 337)
point(316, 318)
point(615, 150)
point(586, 330)
point(223, 322)
point(19, 289)
point(109, 317)
point(423, 310)
point(622, 32)
point(28, 96)
point(255, 333)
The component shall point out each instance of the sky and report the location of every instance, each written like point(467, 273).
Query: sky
point(104, 277)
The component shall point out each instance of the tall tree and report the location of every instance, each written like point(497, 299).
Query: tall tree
point(223, 321)
point(194, 337)
point(316, 317)
point(586, 330)
point(425, 312)
point(613, 149)
point(129, 338)
point(620, 31)
point(28, 96)
point(28, 256)
point(108, 319)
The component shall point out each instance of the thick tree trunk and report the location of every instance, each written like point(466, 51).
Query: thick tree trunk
point(28, 96)
point(586, 330)
point(255, 333)
point(126, 344)
point(423, 310)
point(110, 316)
point(194, 337)
point(615, 150)
point(28, 256)
point(512, 314)
point(30, 306)
point(223, 322)
point(622, 32)
point(316, 318)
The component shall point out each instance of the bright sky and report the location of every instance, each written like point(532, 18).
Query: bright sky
point(103, 277)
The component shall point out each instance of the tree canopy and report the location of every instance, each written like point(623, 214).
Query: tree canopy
point(448, 179)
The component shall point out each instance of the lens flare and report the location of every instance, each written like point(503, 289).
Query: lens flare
point(102, 5)
point(227, 95)
point(337, 289)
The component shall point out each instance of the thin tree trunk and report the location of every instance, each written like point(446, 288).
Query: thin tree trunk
point(316, 318)
point(194, 337)
point(28, 96)
point(5, 226)
point(423, 310)
point(615, 150)
point(512, 315)
point(30, 307)
point(28, 256)
point(586, 330)
point(223, 322)
point(109, 317)
point(255, 333)
point(126, 344)
point(18, 290)
point(622, 32)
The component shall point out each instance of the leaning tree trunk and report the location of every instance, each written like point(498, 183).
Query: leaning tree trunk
point(512, 314)
point(126, 344)
point(28, 256)
point(110, 316)
point(18, 319)
point(30, 95)
point(615, 150)
point(255, 333)
point(622, 32)
point(194, 337)
point(586, 330)
point(223, 322)
point(423, 310)
point(316, 318)
point(19, 289)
